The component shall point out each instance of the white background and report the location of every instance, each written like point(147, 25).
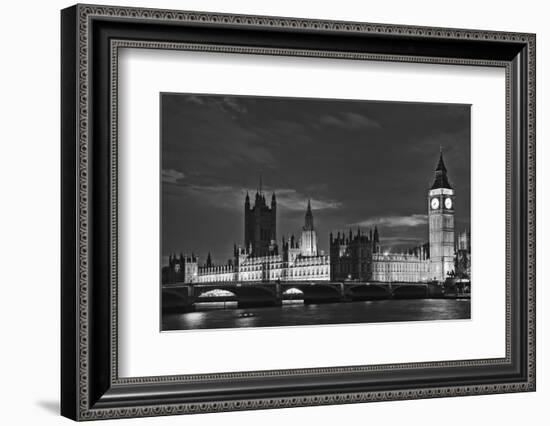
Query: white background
point(29, 225)
point(141, 345)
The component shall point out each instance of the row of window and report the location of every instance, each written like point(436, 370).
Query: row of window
point(291, 273)
point(270, 266)
point(216, 278)
point(399, 267)
point(398, 277)
point(257, 276)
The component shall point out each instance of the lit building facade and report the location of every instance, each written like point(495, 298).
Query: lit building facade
point(353, 256)
point(410, 266)
point(260, 260)
point(358, 257)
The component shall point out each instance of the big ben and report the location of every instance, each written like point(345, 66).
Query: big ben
point(441, 214)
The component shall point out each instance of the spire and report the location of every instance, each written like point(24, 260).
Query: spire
point(247, 199)
point(440, 179)
point(260, 187)
point(308, 225)
point(441, 164)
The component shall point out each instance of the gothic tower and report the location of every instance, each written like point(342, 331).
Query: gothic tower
point(441, 200)
point(308, 240)
point(260, 225)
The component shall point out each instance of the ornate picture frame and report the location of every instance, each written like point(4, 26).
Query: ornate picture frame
point(91, 37)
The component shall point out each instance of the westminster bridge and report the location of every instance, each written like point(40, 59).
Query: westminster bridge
point(182, 297)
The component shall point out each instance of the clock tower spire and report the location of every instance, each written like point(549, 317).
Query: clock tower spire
point(441, 200)
point(441, 180)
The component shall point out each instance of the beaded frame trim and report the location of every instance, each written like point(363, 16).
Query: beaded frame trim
point(88, 12)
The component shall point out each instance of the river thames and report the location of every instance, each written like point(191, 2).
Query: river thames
point(214, 316)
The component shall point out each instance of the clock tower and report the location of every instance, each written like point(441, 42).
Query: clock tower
point(441, 215)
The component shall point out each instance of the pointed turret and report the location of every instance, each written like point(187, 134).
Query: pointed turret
point(308, 239)
point(259, 191)
point(308, 223)
point(375, 240)
point(440, 179)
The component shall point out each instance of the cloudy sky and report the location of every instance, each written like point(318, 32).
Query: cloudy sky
point(362, 163)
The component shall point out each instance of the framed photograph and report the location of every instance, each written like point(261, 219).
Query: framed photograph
point(263, 212)
point(297, 251)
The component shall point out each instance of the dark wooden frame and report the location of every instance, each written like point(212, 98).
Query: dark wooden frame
point(90, 386)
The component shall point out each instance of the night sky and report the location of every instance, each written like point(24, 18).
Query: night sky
point(362, 163)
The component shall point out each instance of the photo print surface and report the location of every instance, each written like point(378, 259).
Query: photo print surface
point(298, 211)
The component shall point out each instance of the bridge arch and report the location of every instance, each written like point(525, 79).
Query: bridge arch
point(216, 292)
point(176, 299)
point(293, 293)
point(318, 293)
point(369, 292)
point(245, 295)
point(293, 290)
point(410, 292)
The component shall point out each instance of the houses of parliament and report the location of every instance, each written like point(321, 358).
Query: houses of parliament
point(353, 256)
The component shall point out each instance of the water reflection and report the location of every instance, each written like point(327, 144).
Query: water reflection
point(297, 313)
point(195, 319)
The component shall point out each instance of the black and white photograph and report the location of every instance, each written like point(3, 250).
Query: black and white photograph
point(296, 211)
point(273, 207)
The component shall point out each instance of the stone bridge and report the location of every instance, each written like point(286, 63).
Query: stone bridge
point(182, 297)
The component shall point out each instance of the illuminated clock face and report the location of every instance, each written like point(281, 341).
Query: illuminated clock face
point(435, 203)
point(448, 203)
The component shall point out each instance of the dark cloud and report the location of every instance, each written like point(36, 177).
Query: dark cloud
point(362, 163)
point(349, 120)
point(394, 221)
point(171, 176)
point(231, 197)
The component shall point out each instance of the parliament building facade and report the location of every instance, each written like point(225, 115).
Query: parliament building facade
point(353, 256)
